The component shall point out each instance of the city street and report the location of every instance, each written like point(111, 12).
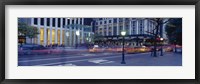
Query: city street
point(99, 41)
point(102, 59)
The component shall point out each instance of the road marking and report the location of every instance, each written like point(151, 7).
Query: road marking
point(81, 60)
point(67, 65)
point(100, 61)
point(88, 54)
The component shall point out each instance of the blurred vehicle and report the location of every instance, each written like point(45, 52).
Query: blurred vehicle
point(33, 49)
point(96, 48)
point(168, 48)
point(141, 49)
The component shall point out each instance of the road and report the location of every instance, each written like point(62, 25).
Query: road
point(102, 59)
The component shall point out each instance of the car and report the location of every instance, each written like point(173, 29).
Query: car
point(95, 49)
point(33, 49)
point(140, 49)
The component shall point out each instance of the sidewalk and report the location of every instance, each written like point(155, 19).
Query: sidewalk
point(168, 59)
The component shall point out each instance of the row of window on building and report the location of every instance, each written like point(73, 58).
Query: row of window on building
point(54, 22)
point(150, 26)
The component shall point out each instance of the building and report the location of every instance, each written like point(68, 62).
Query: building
point(135, 28)
point(61, 31)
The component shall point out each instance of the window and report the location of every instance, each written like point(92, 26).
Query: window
point(68, 21)
point(110, 21)
point(133, 30)
point(41, 21)
point(48, 21)
point(110, 33)
point(126, 19)
point(115, 20)
point(54, 22)
point(72, 21)
point(80, 20)
point(127, 27)
point(35, 21)
point(120, 19)
point(77, 21)
point(133, 24)
point(63, 22)
point(58, 22)
point(105, 22)
point(100, 22)
point(109, 28)
point(115, 30)
point(121, 28)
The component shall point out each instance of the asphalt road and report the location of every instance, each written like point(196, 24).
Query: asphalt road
point(101, 59)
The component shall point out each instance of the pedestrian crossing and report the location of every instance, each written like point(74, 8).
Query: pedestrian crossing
point(67, 65)
point(100, 61)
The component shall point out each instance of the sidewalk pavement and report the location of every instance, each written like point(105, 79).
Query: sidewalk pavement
point(168, 59)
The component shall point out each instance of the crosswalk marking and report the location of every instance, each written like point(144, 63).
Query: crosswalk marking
point(67, 65)
point(88, 54)
point(100, 61)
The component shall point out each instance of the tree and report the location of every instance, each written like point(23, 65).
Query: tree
point(174, 31)
point(22, 28)
point(26, 30)
point(155, 32)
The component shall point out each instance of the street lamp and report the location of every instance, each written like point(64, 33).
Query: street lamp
point(175, 46)
point(161, 51)
point(77, 34)
point(123, 33)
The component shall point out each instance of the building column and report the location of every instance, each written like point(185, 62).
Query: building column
point(137, 26)
point(45, 31)
point(79, 30)
point(130, 26)
point(32, 23)
point(61, 30)
point(103, 27)
point(38, 26)
point(51, 24)
point(82, 30)
point(70, 33)
point(112, 27)
point(117, 26)
point(56, 33)
point(66, 38)
point(107, 27)
point(75, 37)
point(145, 26)
point(123, 23)
point(97, 26)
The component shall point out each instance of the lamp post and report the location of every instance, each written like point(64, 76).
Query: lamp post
point(77, 34)
point(123, 33)
point(161, 51)
point(175, 47)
